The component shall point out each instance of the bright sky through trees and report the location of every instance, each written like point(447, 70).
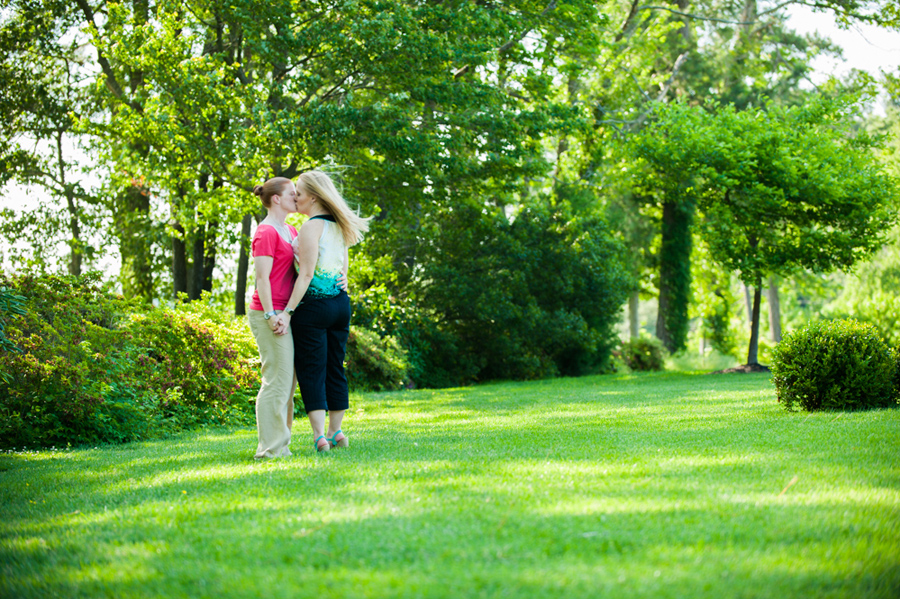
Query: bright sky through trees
point(866, 47)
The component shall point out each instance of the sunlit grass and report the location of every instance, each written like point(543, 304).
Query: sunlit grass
point(665, 485)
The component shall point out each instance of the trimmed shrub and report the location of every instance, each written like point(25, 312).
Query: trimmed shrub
point(644, 354)
point(834, 365)
point(91, 367)
point(373, 363)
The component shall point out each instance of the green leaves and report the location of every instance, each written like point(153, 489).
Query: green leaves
point(835, 365)
point(780, 189)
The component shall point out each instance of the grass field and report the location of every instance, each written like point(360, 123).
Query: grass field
point(664, 485)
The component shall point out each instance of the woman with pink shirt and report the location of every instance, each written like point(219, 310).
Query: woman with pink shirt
point(273, 262)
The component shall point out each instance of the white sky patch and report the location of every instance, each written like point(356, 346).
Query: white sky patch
point(866, 47)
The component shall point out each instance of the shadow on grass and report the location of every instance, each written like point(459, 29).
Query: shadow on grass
point(496, 545)
point(670, 491)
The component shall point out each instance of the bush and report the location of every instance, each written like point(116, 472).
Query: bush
point(644, 354)
point(373, 363)
point(10, 305)
point(91, 367)
point(528, 297)
point(834, 365)
point(897, 375)
point(879, 308)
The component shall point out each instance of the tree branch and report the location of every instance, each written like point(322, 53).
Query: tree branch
point(626, 25)
point(513, 42)
point(112, 83)
point(679, 62)
point(692, 16)
point(464, 69)
point(834, 7)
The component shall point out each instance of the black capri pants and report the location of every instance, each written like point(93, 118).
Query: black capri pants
point(320, 328)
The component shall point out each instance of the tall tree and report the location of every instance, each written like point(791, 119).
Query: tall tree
point(800, 190)
point(45, 89)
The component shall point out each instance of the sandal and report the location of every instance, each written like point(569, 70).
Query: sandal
point(320, 448)
point(342, 442)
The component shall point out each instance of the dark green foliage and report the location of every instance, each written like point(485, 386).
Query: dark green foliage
point(490, 297)
point(834, 365)
point(897, 374)
point(521, 298)
point(11, 305)
point(436, 357)
point(373, 363)
point(95, 368)
point(644, 353)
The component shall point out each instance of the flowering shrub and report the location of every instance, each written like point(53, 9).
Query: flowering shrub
point(91, 367)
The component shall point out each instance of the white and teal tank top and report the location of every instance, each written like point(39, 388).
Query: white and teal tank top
point(330, 263)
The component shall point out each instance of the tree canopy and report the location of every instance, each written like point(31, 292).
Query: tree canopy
point(489, 140)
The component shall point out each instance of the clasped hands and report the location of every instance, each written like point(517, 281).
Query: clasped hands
point(280, 323)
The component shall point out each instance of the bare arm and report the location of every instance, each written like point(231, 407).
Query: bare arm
point(346, 272)
point(262, 267)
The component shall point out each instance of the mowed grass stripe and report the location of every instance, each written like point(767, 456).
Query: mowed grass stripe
point(664, 485)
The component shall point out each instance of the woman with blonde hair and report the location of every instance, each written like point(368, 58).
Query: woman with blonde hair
point(320, 321)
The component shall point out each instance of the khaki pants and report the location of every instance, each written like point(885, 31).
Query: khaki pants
point(275, 401)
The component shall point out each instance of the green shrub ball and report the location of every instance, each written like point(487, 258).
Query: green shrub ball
point(834, 365)
point(644, 354)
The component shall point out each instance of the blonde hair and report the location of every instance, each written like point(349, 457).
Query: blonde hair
point(320, 185)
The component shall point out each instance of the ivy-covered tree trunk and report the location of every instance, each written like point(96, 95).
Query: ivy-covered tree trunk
point(209, 257)
point(133, 230)
point(753, 351)
point(674, 274)
point(179, 245)
point(75, 243)
point(209, 250)
point(774, 310)
point(240, 289)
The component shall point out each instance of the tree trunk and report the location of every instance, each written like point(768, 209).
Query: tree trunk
point(133, 230)
point(749, 303)
point(179, 261)
point(198, 256)
point(75, 230)
point(240, 290)
point(209, 256)
point(634, 304)
point(774, 310)
point(674, 275)
point(753, 351)
point(179, 247)
point(195, 285)
point(72, 207)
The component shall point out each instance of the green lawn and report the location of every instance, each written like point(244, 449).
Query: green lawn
point(666, 485)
